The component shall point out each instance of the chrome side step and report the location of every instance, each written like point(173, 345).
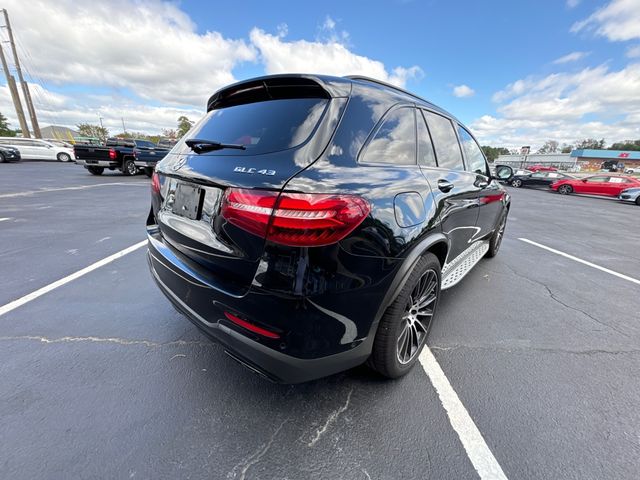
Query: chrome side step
point(457, 269)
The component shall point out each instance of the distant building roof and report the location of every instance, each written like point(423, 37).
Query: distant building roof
point(55, 131)
point(617, 154)
point(537, 158)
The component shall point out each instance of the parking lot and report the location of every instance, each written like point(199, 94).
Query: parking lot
point(102, 378)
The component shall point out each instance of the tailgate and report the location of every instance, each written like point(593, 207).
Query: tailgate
point(91, 153)
point(279, 138)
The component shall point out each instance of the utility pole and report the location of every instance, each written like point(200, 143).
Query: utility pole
point(123, 127)
point(25, 86)
point(14, 95)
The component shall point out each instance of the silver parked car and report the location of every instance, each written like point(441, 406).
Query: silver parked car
point(630, 195)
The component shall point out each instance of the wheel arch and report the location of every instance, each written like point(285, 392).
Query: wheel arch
point(436, 243)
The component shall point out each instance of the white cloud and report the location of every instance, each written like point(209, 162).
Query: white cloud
point(56, 109)
point(149, 47)
point(571, 57)
point(633, 52)
point(146, 60)
point(619, 20)
point(573, 3)
point(331, 58)
point(561, 107)
point(462, 91)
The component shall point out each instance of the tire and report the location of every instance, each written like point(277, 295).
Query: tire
point(402, 333)
point(95, 170)
point(517, 183)
point(148, 171)
point(498, 235)
point(638, 200)
point(2, 159)
point(64, 157)
point(565, 189)
point(129, 168)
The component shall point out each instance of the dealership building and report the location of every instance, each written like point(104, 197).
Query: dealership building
point(583, 160)
point(595, 160)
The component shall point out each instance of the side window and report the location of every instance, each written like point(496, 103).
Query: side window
point(472, 153)
point(445, 142)
point(426, 155)
point(597, 179)
point(395, 140)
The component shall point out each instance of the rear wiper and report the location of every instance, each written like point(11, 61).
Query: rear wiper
point(201, 146)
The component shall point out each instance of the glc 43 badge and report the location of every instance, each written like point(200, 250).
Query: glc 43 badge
point(254, 170)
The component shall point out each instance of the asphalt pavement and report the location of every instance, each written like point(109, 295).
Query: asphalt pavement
point(102, 378)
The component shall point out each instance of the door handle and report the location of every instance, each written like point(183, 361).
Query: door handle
point(445, 185)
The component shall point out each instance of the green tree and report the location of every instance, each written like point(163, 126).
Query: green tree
point(550, 146)
point(89, 130)
point(494, 152)
point(626, 145)
point(184, 125)
point(590, 143)
point(170, 133)
point(566, 148)
point(5, 130)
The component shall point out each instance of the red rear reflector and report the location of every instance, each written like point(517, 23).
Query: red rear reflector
point(297, 219)
point(251, 326)
point(155, 183)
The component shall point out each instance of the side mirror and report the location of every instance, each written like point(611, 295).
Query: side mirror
point(503, 173)
point(584, 180)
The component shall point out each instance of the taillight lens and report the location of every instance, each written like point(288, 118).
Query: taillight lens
point(294, 219)
point(112, 154)
point(155, 184)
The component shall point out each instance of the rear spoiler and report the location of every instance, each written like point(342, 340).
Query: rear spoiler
point(278, 87)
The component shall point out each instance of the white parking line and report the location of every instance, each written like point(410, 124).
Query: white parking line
point(584, 262)
point(58, 283)
point(4, 219)
point(477, 449)
point(79, 187)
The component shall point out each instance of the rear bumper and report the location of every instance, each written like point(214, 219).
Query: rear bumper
point(139, 163)
point(205, 307)
point(97, 163)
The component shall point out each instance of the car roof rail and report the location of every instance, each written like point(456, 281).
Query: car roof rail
point(385, 84)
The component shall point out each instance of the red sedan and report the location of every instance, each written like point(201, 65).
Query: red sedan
point(607, 185)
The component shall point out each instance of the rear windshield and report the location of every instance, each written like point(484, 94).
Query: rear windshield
point(262, 127)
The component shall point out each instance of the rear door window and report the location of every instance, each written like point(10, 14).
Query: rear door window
point(426, 155)
point(261, 127)
point(445, 141)
point(395, 140)
point(472, 153)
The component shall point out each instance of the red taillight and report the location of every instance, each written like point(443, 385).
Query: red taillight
point(112, 154)
point(297, 219)
point(155, 183)
point(250, 326)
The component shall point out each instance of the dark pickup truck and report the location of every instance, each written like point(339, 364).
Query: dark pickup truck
point(128, 156)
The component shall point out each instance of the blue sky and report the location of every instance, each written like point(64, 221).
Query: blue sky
point(516, 72)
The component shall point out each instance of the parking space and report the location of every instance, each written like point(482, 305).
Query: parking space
point(102, 378)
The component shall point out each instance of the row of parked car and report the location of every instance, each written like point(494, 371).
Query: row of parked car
point(130, 156)
point(625, 188)
point(14, 149)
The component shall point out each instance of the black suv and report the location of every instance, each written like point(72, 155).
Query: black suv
point(308, 223)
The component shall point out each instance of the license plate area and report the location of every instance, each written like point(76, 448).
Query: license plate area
point(188, 201)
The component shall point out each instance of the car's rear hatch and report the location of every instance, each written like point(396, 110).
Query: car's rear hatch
point(282, 124)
